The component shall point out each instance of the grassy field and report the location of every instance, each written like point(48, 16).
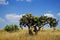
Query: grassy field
point(23, 35)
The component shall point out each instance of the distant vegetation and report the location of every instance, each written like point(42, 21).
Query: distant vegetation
point(35, 22)
point(11, 28)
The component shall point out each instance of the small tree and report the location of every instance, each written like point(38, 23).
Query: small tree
point(10, 28)
point(16, 27)
point(7, 28)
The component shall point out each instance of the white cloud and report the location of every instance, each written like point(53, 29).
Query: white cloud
point(13, 17)
point(1, 20)
point(49, 15)
point(59, 14)
point(3, 2)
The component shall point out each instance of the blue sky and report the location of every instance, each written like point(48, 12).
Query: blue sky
point(12, 10)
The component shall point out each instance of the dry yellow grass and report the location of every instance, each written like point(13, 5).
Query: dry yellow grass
point(23, 35)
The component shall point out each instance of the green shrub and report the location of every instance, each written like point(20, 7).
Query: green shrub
point(10, 28)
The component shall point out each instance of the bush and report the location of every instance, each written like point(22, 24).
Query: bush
point(10, 28)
